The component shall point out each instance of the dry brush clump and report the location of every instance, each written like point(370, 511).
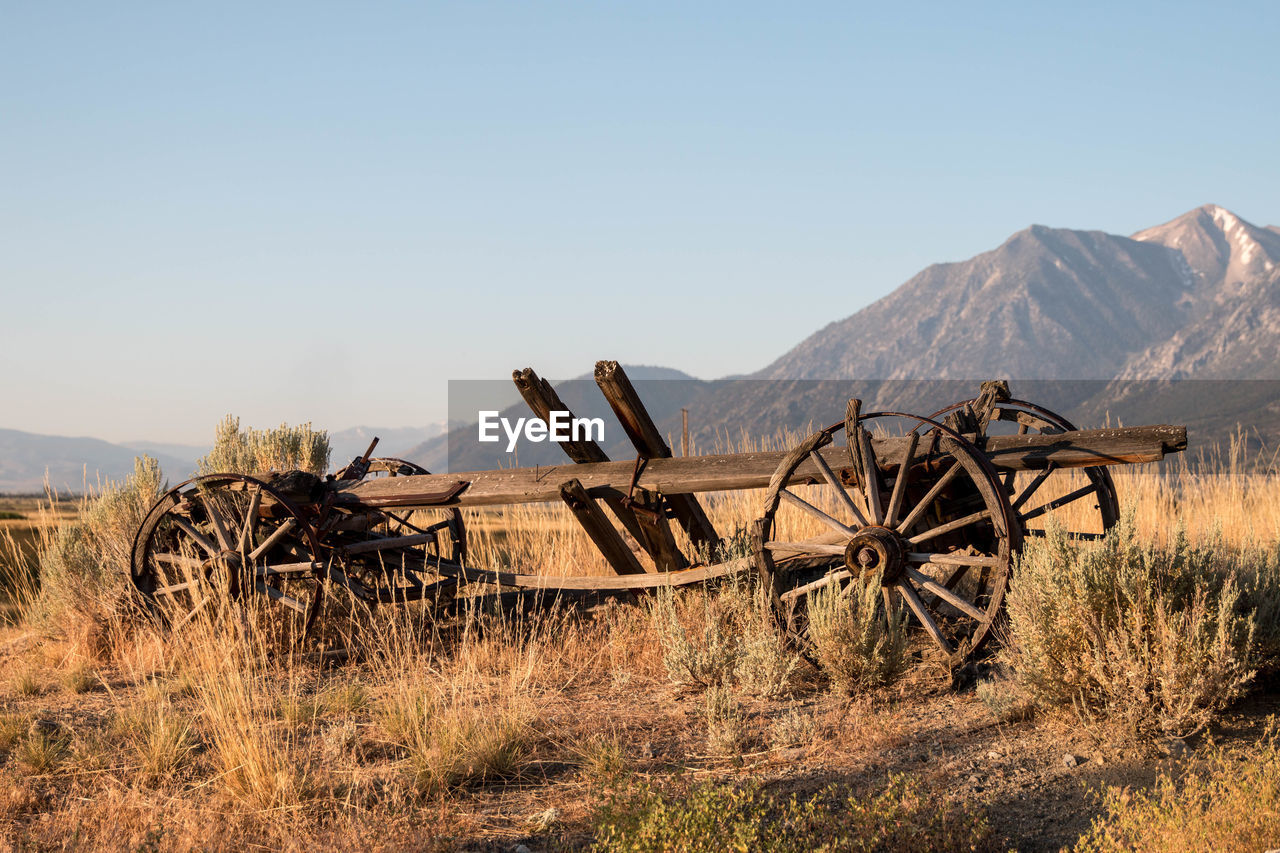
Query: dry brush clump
point(84, 564)
point(1154, 639)
point(238, 450)
point(723, 636)
point(858, 644)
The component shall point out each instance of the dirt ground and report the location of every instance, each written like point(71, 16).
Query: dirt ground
point(1019, 772)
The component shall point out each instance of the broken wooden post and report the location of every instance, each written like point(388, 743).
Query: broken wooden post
point(600, 529)
point(642, 431)
point(652, 532)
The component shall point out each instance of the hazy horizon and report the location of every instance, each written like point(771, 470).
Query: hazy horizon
point(323, 213)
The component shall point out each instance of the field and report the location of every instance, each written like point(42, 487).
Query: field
point(674, 722)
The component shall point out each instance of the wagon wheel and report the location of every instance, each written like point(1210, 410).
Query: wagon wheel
point(229, 545)
point(933, 520)
point(429, 535)
point(1083, 501)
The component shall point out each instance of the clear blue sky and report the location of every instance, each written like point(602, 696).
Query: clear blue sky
point(325, 210)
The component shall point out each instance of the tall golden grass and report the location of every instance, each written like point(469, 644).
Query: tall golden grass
point(219, 739)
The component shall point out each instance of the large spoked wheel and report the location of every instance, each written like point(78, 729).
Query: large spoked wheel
point(384, 555)
point(1082, 501)
point(229, 548)
point(919, 505)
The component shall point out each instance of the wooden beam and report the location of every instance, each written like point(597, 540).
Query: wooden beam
point(599, 528)
point(727, 472)
point(653, 534)
point(642, 431)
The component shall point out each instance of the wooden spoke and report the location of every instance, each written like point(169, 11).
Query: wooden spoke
point(809, 548)
point(920, 508)
point(276, 595)
point(815, 512)
point(950, 583)
point(870, 476)
point(949, 526)
point(835, 483)
point(196, 536)
point(825, 580)
point(219, 528)
point(1031, 487)
point(250, 521)
point(952, 559)
point(922, 613)
point(271, 541)
point(900, 482)
point(285, 569)
point(945, 593)
point(177, 587)
point(1060, 502)
point(179, 560)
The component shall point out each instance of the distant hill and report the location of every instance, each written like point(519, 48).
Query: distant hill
point(1196, 297)
point(72, 463)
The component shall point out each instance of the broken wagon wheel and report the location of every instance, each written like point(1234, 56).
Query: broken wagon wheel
point(1082, 501)
point(925, 511)
point(382, 553)
point(229, 546)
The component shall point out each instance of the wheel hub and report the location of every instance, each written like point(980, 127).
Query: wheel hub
point(875, 548)
point(225, 568)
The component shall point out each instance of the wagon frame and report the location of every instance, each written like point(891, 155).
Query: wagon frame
point(935, 511)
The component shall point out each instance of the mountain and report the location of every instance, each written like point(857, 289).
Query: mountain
point(1048, 303)
point(1194, 297)
point(72, 463)
point(1234, 329)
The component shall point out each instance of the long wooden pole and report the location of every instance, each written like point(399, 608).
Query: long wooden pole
point(687, 475)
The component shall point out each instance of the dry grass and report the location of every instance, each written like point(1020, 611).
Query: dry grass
point(498, 729)
point(1231, 801)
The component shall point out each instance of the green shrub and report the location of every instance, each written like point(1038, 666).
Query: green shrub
point(1232, 802)
point(715, 818)
point(856, 646)
point(1157, 640)
point(253, 451)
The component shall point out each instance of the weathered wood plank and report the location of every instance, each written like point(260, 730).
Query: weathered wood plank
point(674, 476)
point(649, 580)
